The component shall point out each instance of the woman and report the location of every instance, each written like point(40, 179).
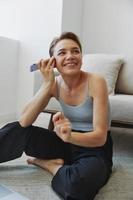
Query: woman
point(79, 151)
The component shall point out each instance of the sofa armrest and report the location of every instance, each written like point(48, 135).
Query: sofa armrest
point(51, 112)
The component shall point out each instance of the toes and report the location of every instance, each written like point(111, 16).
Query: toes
point(31, 161)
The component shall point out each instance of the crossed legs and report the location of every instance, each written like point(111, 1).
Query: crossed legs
point(80, 180)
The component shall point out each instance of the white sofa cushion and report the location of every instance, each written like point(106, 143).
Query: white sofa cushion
point(122, 108)
point(125, 79)
point(106, 65)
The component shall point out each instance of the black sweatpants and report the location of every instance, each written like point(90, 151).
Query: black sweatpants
point(85, 170)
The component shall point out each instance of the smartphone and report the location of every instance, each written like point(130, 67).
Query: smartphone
point(34, 67)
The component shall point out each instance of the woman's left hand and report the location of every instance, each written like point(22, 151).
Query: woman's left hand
point(62, 126)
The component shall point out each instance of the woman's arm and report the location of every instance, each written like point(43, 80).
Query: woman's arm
point(97, 137)
point(42, 97)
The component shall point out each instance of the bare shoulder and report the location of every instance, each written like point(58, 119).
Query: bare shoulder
point(97, 84)
point(97, 78)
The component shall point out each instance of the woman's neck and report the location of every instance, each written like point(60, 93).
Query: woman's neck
point(71, 82)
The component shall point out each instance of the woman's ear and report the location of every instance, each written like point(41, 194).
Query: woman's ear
point(54, 63)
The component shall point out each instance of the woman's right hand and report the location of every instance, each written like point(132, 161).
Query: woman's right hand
point(46, 68)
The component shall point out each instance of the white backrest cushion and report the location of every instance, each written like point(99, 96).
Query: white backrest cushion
point(106, 65)
point(125, 79)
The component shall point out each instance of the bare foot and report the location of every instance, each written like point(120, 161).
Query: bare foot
point(52, 165)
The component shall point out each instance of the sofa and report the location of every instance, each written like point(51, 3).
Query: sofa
point(118, 72)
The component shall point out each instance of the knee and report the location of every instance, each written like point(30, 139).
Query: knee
point(75, 190)
point(80, 189)
point(79, 183)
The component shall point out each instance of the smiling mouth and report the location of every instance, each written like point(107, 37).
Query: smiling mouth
point(70, 64)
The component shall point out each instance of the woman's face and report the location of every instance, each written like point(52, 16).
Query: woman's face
point(68, 56)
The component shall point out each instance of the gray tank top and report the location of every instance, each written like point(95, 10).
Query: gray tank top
point(80, 116)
